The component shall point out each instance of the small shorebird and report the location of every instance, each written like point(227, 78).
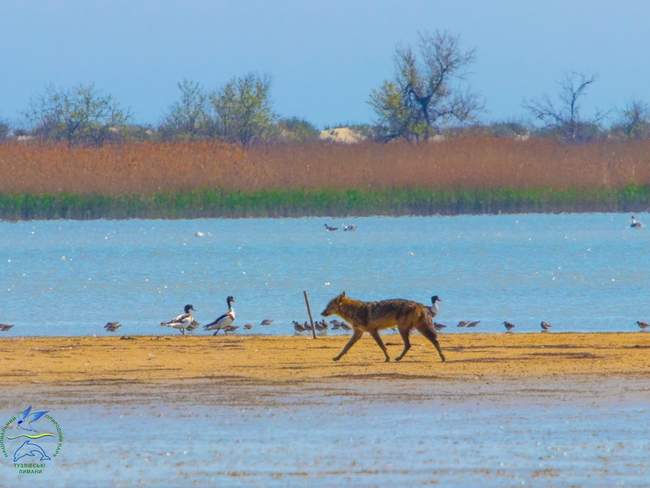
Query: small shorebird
point(642, 325)
point(349, 228)
point(266, 322)
point(112, 326)
point(435, 307)
point(297, 326)
point(330, 228)
point(248, 326)
point(224, 320)
point(322, 325)
point(545, 326)
point(472, 323)
point(182, 321)
point(635, 224)
point(229, 328)
point(5, 327)
point(439, 326)
point(509, 326)
point(344, 326)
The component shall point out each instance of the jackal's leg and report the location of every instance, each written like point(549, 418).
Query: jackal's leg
point(375, 335)
point(431, 335)
point(356, 335)
point(407, 343)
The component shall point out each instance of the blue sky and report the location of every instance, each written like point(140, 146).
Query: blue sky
point(323, 57)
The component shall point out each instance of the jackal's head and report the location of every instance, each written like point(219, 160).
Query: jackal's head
point(333, 306)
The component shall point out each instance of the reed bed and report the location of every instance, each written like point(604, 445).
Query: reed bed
point(208, 178)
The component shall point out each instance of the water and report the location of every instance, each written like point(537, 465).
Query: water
point(468, 436)
point(582, 272)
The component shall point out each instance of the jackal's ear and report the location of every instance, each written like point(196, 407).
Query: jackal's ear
point(342, 295)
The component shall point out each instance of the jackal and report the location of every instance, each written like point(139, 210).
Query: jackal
point(373, 316)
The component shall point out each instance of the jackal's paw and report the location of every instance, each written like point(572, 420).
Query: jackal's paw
point(336, 358)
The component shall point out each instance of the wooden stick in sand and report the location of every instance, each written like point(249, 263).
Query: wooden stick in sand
point(311, 321)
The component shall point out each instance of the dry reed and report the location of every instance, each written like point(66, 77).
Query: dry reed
point(464, 162)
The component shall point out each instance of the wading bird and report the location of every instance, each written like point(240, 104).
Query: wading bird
point(182, 321)
point(112, 326)
point(439, 326)
point(224, 320)
point(545, 326)
point(330, 228)
point(266, 322)
point(5, 327)
point(642, 325)
point(349, 228)
point(248, 326)
point(509, 326)
point(229, 328)
point(472, 323)
point(635, 224)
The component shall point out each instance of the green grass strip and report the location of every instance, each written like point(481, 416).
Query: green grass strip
point(329, 202)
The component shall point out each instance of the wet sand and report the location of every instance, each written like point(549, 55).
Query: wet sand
point(504, 410)
point(291, 360)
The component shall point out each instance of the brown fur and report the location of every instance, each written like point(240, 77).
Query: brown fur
point(371, 317)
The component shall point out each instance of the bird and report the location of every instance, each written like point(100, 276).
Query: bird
point(266, 322)
point(463, 323)
point(439, 326)
point(349, 228)
point(112, 326)
point(28, 417)
point(330, 228)
point(344, 326)
point(5, 327)
point(472, 323)
point(635, 224)
point(322, 325)
point(434, 308)
point(642, 325)
point(297, 326)
point(545, 326)
point(248, 326)
point(182, 321)
point(509, 326)
point(307, 326)
point(229, 328)
point(198, 233)
point(224, 320)
point(193, 325)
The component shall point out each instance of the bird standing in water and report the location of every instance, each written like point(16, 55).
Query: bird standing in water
point(545, 326)
point(509, 326)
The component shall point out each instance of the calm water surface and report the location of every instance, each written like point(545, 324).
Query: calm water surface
point(582, 272)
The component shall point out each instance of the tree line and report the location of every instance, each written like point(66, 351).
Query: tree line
point(427, 98)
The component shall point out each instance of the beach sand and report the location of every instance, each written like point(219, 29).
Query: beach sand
point(504, 410)
point(292, 360)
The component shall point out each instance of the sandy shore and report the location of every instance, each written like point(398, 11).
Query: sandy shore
point(291, 360)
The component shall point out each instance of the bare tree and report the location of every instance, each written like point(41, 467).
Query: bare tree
point(243, 109)
point(634, 122)
point(565, 117)
point(77, 115)
point(428, 91)
point(188, 117)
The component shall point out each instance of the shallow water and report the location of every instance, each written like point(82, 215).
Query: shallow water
point(582, 272)
point(522, 439)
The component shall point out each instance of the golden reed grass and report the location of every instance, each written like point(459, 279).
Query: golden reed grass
point(470, 162)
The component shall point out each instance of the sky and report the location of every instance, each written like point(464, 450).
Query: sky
point(323, 57)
